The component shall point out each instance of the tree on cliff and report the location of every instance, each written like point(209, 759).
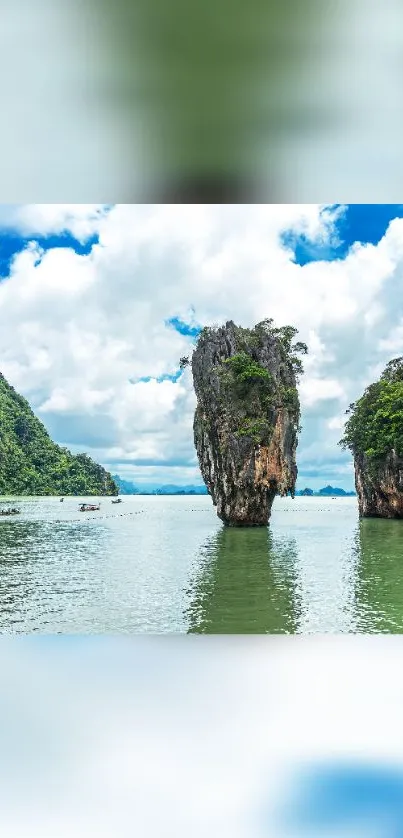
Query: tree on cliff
point(375, 424)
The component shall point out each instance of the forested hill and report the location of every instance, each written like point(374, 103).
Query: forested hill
point(32, 464)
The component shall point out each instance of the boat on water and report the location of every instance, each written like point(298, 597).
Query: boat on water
point(61, 500)
point(89, 507)
point(11, 511)
point(117, 500)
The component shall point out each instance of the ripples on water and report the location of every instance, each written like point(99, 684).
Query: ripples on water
point(166, 564)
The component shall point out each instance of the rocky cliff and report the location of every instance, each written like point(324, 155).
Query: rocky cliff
point(247, 418)
point(379, 486)
point(374, 435)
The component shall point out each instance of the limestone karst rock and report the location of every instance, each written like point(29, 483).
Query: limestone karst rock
point(247, 418)
point(380, 490)
point(374, 435)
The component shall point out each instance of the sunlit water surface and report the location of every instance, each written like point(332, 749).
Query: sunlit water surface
point(167, 564)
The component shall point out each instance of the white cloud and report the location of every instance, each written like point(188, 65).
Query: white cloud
point(313, 390)
point(393, 343)
point(336, 423)
point(77, 332)
point(81, 220)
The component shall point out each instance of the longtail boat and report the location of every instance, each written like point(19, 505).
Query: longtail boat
point(89, 507)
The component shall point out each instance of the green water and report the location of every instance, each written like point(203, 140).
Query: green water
point(160, 565)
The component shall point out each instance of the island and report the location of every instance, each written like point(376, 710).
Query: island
point(374, 435)
point(127, 487)
point(247, 417)
point(32, 464)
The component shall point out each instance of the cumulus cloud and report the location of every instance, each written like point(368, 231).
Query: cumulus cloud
point(81, 220)
point(87, 338)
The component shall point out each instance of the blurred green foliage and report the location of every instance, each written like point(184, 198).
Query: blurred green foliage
point(209, 91)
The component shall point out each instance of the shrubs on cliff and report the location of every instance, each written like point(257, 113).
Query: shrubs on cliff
point(247, 380)
point(246, 376)
point(248, 386)
point(30, 463)
point(375, 424)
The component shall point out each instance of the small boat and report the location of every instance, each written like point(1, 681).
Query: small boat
point(61, 500)
point(89, 507)
point(11, 511)
point(117, 500)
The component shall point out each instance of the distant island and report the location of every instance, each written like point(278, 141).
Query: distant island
point(126, 487)
point(327, 491)
point(32, 464)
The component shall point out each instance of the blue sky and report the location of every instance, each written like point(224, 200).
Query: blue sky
point(364, 223)
point(98, 303)
point(11, 244)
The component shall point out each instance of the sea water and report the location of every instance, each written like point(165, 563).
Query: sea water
point(156, 564)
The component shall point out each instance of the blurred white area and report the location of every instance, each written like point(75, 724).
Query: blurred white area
point(359, 156)
point(185, 737)
point(97, 102)
point(54, 140)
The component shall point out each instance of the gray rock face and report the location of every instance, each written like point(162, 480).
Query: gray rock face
point(380, 490)
point(245, 426)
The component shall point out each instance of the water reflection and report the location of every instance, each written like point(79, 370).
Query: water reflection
point(316, 569)
point(379, 589)
point(245, 583)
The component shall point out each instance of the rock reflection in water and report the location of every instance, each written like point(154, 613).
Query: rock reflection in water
point(245, 583)
point(379, 588)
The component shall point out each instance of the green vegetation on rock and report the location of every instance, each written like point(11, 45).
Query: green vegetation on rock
point(245, 374)
point(251, 388)
point(32, 464)
point(375, 424)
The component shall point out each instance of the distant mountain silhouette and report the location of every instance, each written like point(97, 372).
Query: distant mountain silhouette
point(327, 491)
point(332, 490)
point(126, 487)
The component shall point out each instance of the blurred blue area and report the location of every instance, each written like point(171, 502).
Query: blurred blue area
point(345, 797)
